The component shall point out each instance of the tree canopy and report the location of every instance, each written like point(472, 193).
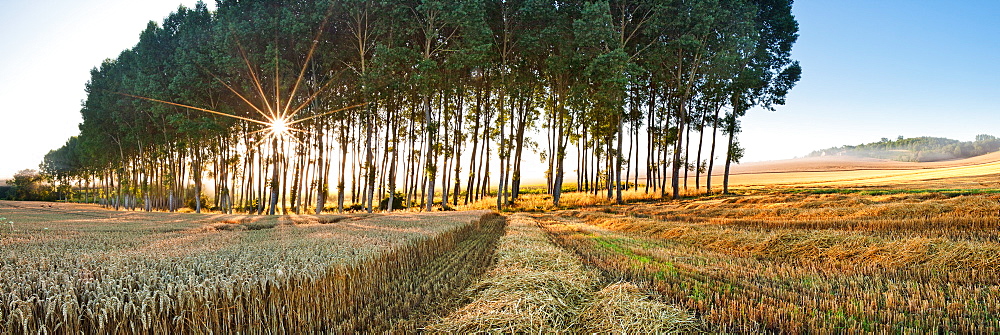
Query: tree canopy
point(262, 106)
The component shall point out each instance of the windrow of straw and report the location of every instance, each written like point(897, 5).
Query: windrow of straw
point(748, 280)
point(373, 275)
point(537, 287)
point(930, 215)
point(824, 245)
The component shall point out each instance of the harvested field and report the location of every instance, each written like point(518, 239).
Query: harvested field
point(887, 258)
point(79, 269)
point(972, 172)
point(538, 288)
point(806, 263)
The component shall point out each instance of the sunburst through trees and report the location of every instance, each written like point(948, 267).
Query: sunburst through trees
point(243, 109)
point(276, 112)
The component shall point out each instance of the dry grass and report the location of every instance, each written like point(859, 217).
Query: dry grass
point(806, 263)
point(537, 287)
point(624, 308)
point(534, 288)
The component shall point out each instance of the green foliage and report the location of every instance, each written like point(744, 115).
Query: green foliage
point(29, 185)
point(586, 70)
point(6, 192)
point(398, 202)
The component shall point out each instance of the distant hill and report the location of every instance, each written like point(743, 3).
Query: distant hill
point(916, 149)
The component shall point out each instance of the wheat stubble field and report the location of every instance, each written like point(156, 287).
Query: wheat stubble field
point(813, 247)
point(840, 254)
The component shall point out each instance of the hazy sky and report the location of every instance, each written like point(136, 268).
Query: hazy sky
point(47, 49)
point(872, 69)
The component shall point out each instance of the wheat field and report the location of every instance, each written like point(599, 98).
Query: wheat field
point(79, 269)
point(853, 252)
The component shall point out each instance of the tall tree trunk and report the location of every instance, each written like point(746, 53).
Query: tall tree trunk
point(618, 164)
point(457, 149)
point(729, 152)
point(469, 194)
point(275, 175)
point(322, 186)
point(196, 171)
point(369, 162)
point(711, 155)
point(675, 176)
point(687, 155)
point(519, 147)
point(430, 167)
point(701, 144)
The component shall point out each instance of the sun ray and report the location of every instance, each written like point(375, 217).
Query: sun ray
point(253, 75)
point(231, 89)
point(297, 141)
point(278, 113)
point(301, 131)
point(257, 131)
point(192, 107)
point(305, 64)
point(327, 113)
point(278, 120)
point(313, 96)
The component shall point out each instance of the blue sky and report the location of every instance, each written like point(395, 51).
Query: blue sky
point(872, 69)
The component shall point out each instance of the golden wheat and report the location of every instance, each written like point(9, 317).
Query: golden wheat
point(97, 273)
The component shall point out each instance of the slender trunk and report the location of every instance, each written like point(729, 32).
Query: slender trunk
point(560, 161)
point(521, 127)
point(275, 174)
point(504, 149)
point(675, 176)
point(484, 166)
point(618, 165)
point(729, 152)
point(687, 155)
point(711, 154)
point(369, 162)
point(701, 144)
point(458, 149)
point(650, 144)
point(430, 163)
point(341, 180)
point(196, 170)
point(392, 168)
point(321, 169)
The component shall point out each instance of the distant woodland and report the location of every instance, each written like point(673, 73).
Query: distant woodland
point(917, 149)
point(304, 106)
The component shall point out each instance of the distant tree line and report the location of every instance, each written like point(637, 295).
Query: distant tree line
point(435, 101)
point(917, 149)
point(31, 185)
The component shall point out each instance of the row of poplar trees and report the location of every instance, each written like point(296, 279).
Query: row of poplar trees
point(447, 96)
